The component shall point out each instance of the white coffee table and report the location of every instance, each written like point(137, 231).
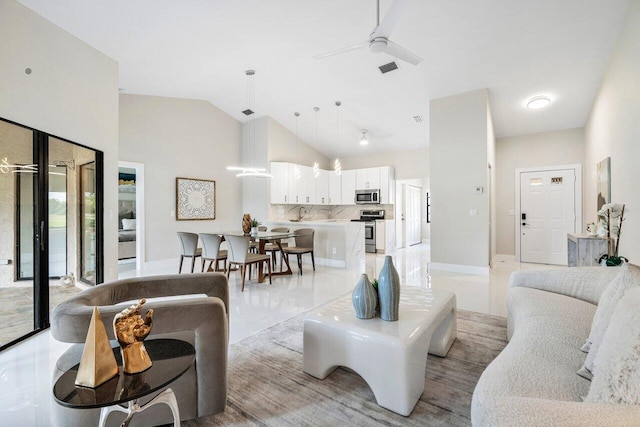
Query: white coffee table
point(390, 356)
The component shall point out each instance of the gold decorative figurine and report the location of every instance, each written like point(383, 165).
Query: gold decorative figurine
point(131, 329)
point(98, 364)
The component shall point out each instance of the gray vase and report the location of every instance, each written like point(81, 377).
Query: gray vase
point(364, 298)
point(389, 291)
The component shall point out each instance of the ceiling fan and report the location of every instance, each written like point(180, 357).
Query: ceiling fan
point(379, 39)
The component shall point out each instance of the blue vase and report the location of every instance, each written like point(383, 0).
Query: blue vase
point(364, 298)
point(389, 291)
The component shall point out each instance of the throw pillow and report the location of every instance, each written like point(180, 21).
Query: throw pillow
point(616, 375)
point(128, 224)
point(121, 216)
point(627, 278)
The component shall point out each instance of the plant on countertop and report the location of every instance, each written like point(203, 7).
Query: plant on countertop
point(254, 223)
point(374, 283)
point(610, 218)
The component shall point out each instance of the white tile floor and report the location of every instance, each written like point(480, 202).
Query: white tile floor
point(25, 370)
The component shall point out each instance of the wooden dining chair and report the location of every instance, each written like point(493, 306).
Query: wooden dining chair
point(211, 251)
point(304, 245)
point(272, 248)
point(238, 254)
point(188, 248)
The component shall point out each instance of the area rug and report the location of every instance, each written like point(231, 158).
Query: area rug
point(268, 388)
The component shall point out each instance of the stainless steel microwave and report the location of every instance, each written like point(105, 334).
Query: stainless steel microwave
point(367, 197)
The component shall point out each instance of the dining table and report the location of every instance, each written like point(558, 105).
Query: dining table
point(262, 238)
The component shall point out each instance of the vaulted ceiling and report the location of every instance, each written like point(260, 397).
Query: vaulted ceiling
point(201, 48)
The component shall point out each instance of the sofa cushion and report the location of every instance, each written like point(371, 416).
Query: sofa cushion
point(616, 374)
point(627, 278)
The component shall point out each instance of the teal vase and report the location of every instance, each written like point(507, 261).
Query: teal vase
point(364, 298)
point(389, 291)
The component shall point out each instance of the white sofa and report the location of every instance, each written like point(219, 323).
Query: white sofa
point(534, 381)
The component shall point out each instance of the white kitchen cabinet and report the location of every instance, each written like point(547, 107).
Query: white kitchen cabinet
point(368, 179)
point(385, 236)
point(348, 179)
point(307, 187)
point(335, 188)
point(279, 183)
point(322, 188)
point(387, 185)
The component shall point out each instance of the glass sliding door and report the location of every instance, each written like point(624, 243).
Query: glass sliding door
point(18, 174)
point(88, 230)
point(50, 226)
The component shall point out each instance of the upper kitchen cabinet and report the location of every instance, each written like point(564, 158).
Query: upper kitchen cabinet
point(335, 188)
point(322, 188)
point(387, 185)
point(348, 187)
point(279, 182)
point(307, 187)
point(368, 179)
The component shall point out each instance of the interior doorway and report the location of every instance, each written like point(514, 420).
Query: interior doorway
point(413, 231)
point(130, 218)
point(548, 206)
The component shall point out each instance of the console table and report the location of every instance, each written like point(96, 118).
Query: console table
point(585, 250)
point(171, 358)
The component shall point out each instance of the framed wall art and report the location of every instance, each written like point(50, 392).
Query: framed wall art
point(195, 199)
point(604, 182)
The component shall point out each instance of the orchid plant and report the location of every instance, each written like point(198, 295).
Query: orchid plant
point(610, 218)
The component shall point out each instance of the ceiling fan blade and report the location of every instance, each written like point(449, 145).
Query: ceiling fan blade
point(343, 50)
point(394, 49)
point(391, 19)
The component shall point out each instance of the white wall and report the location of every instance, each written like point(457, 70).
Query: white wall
point(541, 149)
point(613, 130)
point(412, 164)
point(180, 138)
point(459, 149)
point(72, 93)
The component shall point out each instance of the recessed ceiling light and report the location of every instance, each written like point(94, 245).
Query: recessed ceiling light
point(538, 102)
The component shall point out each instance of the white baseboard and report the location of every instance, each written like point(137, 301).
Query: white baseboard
point(458, 268)
point(504, 258)
point(161, 265)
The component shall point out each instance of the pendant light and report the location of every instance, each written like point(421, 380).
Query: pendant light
point(316, 166)
point(250, 170)
point(297, 169)
point(337, 167)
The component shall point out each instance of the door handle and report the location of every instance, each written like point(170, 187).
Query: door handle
point(41, 235)
point(524, 223)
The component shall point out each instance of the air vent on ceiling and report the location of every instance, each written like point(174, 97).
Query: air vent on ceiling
point(417, 119)
point(247, 112)
point(388, 67)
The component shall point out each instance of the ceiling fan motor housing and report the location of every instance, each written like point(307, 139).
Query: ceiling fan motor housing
point(378, 45)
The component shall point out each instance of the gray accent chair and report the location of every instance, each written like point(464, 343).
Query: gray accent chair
point(201, 320)
point(239, 254)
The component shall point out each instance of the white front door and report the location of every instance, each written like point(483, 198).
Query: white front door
point(547, 214)
point(412, 216)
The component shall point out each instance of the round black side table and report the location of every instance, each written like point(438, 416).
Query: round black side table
point(171, 358)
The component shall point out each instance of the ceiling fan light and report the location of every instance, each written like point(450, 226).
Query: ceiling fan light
point(378, 45)
point(538, 102)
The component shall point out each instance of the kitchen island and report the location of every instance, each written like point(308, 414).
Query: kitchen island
point(337, 243)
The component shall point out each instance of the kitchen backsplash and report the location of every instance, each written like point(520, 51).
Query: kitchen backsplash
point(319, 212)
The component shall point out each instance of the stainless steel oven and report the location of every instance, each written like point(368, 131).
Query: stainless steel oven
point(369, 218)
point(367, 197)
point(370, 236)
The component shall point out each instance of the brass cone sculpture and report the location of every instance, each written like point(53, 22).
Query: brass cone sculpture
point(98, 364)
point(246, 223)
point(131, 329)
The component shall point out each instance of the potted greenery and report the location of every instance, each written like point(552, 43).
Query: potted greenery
point(610, 218)
point(254, 226)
